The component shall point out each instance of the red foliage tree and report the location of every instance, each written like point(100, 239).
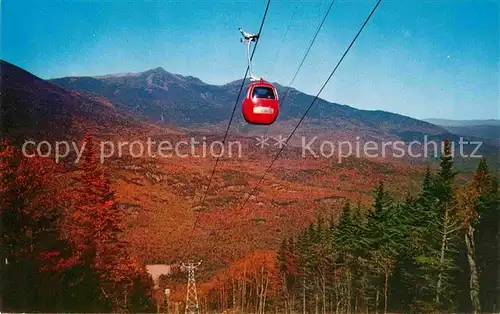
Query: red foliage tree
point(96, 230)
point(246, 285)
point(33, 253)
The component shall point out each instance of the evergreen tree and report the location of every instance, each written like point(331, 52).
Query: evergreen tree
point(442, 256)
point(445, 176)
point(427, 184)
point(481, 179)
point(288, 270)
point(432, 227)
point(344, 233)
point(382, 232)
point(381, 200)
point(350, 246)
point(406, 285)
point(414, 256)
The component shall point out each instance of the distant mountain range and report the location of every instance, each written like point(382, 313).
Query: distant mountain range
point(163, 194)
point(457, 123)
point(158, 95)
point(33, 107)
point(487, 129)
point(127, 102)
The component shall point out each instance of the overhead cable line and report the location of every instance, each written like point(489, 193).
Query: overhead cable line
point(303, 59)
point(230, 121)
point(308, 109)
point(312, 103)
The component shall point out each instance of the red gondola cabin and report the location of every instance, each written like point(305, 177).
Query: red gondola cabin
point(261, 105)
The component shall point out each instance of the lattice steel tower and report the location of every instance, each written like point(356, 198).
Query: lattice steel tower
point(191, 296)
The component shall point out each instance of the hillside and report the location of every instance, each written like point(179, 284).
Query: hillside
point(32, 107)
point(187, 102)
point(159, 95)
point(491, 132)
point(461, 123)
point(487, 129)
point(162, 195)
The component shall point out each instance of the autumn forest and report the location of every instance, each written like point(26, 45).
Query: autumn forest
point(143, 171)
point(433, 251)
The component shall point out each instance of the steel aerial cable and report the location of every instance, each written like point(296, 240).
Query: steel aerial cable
point(231, 119)
point(283, 39)
point(313, 102)
point(237, 101)
point(310, 106)
point(303, 59)
point(232, 19)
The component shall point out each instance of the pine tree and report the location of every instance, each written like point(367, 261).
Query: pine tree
point(351, 250)
point(286, 271)
point(381, 200)
point(415, 224)
point(482, 180)
point(382, 232)
point(448, 226)
point(423, 209)
point(445, 176)
point(405, 283)
point(433, 227)
point(427, 184)
point(344, 235)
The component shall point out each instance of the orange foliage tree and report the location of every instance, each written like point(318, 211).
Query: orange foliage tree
point(34, 257)
point(247, 285)
point(96, 229)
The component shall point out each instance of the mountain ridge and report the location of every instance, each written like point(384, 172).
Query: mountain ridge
point(152, 91)
point(159, 96)
point(488, 128)
point(115, 103)
point(35, 108)
point(461, 123)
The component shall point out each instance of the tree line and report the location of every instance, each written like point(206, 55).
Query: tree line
point(62, 249)
point(433, 252)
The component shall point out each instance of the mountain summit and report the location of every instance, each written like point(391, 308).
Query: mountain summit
point(159, 95)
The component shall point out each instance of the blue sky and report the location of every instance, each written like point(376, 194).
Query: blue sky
point(419, 58)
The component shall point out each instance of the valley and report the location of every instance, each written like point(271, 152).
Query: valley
point(161, 194)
